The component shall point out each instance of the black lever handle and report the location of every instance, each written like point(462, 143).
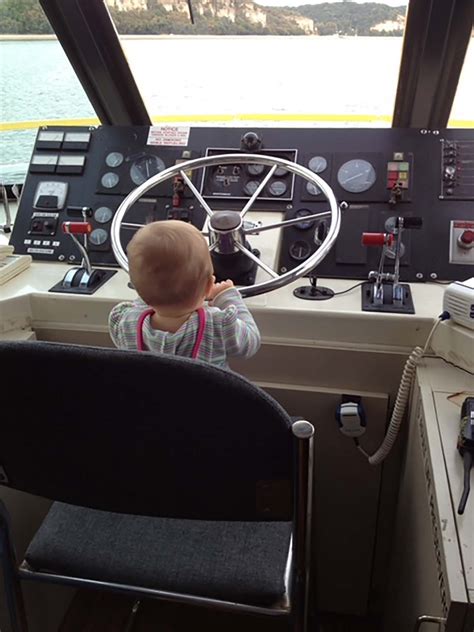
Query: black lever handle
point(412, 222)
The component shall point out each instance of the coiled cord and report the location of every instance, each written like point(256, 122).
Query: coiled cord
point(401, 401)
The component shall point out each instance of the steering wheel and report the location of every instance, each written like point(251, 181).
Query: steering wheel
point(227, 232)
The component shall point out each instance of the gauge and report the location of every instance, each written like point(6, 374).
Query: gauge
point(356, 176)
point(277, 188)
point(103, 214)
point(255, 170)
point(280, 171)
point(317, 164)
point(114, 159)
point(145, 167)
point(304, 225)
point(48, 189)
point(300, 250)
point(312, 188)
point(98, 236)
point(251, 187)
point(109, 180)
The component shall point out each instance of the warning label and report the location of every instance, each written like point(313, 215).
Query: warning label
point(168, 135)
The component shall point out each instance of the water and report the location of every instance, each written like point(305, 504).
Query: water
point(200, 76)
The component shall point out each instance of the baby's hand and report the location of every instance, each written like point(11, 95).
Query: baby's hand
point(217, 288)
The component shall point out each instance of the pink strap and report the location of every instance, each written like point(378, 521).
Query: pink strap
point(200, 334)
point(141, 320)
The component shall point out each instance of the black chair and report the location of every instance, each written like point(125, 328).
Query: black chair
point(175, 480)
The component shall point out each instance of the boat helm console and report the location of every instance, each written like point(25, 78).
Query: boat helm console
point(381, 178)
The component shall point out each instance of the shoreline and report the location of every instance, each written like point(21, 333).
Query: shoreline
point(51, 36)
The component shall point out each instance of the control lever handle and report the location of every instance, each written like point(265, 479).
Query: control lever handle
point(77, 228)
point(410, 222)
point(80, 228)
point(377, 239)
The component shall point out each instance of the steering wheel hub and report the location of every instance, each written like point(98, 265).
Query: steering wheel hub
point(224, 221)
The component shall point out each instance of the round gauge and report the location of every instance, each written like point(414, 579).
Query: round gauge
point(304, 225)
point(312, 188)
point(109, 180)
point(251, 187)
point(280, 171)
point(98, 236)
point(317, 164)
point(356, 176)
point(114, 159)
point(103, 214)
point(145, 167)
point(300, 250)
point(255, 170)
point(277, 188)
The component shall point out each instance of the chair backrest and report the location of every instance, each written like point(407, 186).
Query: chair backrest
point(142, 434)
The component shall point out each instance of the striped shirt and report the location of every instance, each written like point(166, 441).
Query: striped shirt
point(230, 330)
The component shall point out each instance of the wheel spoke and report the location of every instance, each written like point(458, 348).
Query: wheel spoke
point(197, 195)
point(287, 222)
point(132, 226)
point(258, 261)
point(263, 183)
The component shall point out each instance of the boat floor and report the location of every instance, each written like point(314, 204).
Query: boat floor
point(92, 611)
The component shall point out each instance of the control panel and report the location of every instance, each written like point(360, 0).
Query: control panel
point(377, 175)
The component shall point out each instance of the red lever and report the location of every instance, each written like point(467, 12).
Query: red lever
point(377, 239)
point(77, 228)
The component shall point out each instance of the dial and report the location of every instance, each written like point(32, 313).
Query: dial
point(98, 236)
point(109, 180)
point(317, 164)
point(145, 167)
point(251, 187)
point(356, 176)
point(114, 159)
point(305, 224)
point(300, 250)
point(280, 171)
point(312, 188)
point(277, 188)
point(255, 170)
point(103, 214)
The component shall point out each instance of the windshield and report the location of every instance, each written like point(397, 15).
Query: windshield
point(323, 64)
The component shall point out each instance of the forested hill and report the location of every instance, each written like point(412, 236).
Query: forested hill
point(222, 17)
point(351, 18)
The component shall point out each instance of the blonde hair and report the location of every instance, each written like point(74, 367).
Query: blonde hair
point(170, 264)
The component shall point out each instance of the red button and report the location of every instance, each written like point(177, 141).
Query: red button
point(467, 237)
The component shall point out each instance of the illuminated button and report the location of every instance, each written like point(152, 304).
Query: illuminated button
point(392, 175)
point(466, 239)
point(392, 166)
point(404, 166)
point(403, 176)
point(398, 155)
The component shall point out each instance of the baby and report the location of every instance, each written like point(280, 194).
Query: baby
point(171, 270)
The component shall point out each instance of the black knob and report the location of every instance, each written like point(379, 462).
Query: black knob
point(250, 141)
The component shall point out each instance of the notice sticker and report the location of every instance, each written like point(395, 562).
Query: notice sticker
point(172, 136)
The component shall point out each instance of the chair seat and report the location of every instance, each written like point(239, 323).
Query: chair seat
point(233, 561)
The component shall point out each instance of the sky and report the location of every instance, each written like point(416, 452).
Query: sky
point(297, 3)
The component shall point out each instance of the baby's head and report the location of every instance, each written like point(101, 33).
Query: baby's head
point(170, 265)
